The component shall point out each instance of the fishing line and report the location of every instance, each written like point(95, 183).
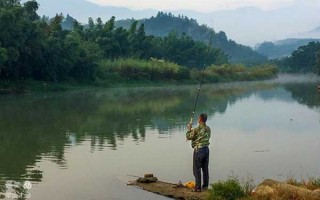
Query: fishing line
point(201, 79)
point(196, 102)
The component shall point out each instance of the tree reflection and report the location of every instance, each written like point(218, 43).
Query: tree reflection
point(305, 93)
point(33, 127)
point(14, 189)
point(2, 188)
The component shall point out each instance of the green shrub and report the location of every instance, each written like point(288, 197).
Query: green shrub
point(237, 72)
point(316, 182)
point(141, 70)
point(230, 189)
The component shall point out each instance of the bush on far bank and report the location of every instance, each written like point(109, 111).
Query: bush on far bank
point(141, 70)
point(131, 69)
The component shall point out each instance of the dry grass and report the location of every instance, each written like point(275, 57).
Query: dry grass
point(310, 183)
point(283, 194)
point(291, 189)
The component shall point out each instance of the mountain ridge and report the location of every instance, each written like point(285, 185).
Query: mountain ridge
point(245, 25)
point(282, 48)
point(165, 23)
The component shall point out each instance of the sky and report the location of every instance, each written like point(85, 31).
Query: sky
point(197, 5)
point(295, 20)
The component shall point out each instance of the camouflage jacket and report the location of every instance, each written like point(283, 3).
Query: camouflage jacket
point(199, 136)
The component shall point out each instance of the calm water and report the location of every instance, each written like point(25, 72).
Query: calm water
point(83, 145)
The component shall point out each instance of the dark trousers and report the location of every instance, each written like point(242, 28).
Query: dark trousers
point(201, 161)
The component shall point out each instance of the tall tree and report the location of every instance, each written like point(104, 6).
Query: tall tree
point(304, 59)
point(317, 67)
point(9, 3)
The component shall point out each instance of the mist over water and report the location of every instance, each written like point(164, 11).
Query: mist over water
point(82, 144)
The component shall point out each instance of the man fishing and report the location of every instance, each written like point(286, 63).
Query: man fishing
point(200, 140)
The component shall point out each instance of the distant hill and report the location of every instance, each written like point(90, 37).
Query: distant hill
point(282, 48)
point(314, 33)
point(316, 30)
point(164, 23)
point(251, 25)
point(246, 25)
point(83, 9)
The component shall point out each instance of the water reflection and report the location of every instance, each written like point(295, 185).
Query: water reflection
point(39, 127)
point(305, 94)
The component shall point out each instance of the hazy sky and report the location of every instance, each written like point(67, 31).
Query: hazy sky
point(198, 5)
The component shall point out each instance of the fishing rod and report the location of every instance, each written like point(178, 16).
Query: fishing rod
point(201, 79)
point(196, 102)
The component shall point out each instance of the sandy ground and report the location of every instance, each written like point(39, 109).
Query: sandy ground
point(170, 190)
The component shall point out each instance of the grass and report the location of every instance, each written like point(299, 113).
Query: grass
point(233, 189)
point(311, 183)
point(234, 72)
point(137, 72)
point(230, 189)
point(126, 70)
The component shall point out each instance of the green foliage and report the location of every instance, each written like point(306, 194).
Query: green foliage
point(9, 3)
point(124, 70)
point(233, 72)
point(2, 186)
point(185, 51)
point(68, 23)
point(34, 48)
point(317, 64)
point(230, 189)
point(304, 59)
point(140, 70)
point(3, 56)
point(281, 48)
point(165, 23)
point(316, 182)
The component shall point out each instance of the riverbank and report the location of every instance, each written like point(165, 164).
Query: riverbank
point(232, 189)
point(31, 86)
point(135, 73)
point(290, 189)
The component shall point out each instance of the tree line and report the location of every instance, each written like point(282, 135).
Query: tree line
point(36, 48)
point(305, 59)
point(164, 23)
point(282, 48)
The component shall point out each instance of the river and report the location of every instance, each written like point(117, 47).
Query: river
point(86, 144)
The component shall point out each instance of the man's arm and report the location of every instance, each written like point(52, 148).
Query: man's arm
point(191, 132)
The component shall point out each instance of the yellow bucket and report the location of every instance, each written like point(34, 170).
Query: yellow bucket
point(190, 184)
